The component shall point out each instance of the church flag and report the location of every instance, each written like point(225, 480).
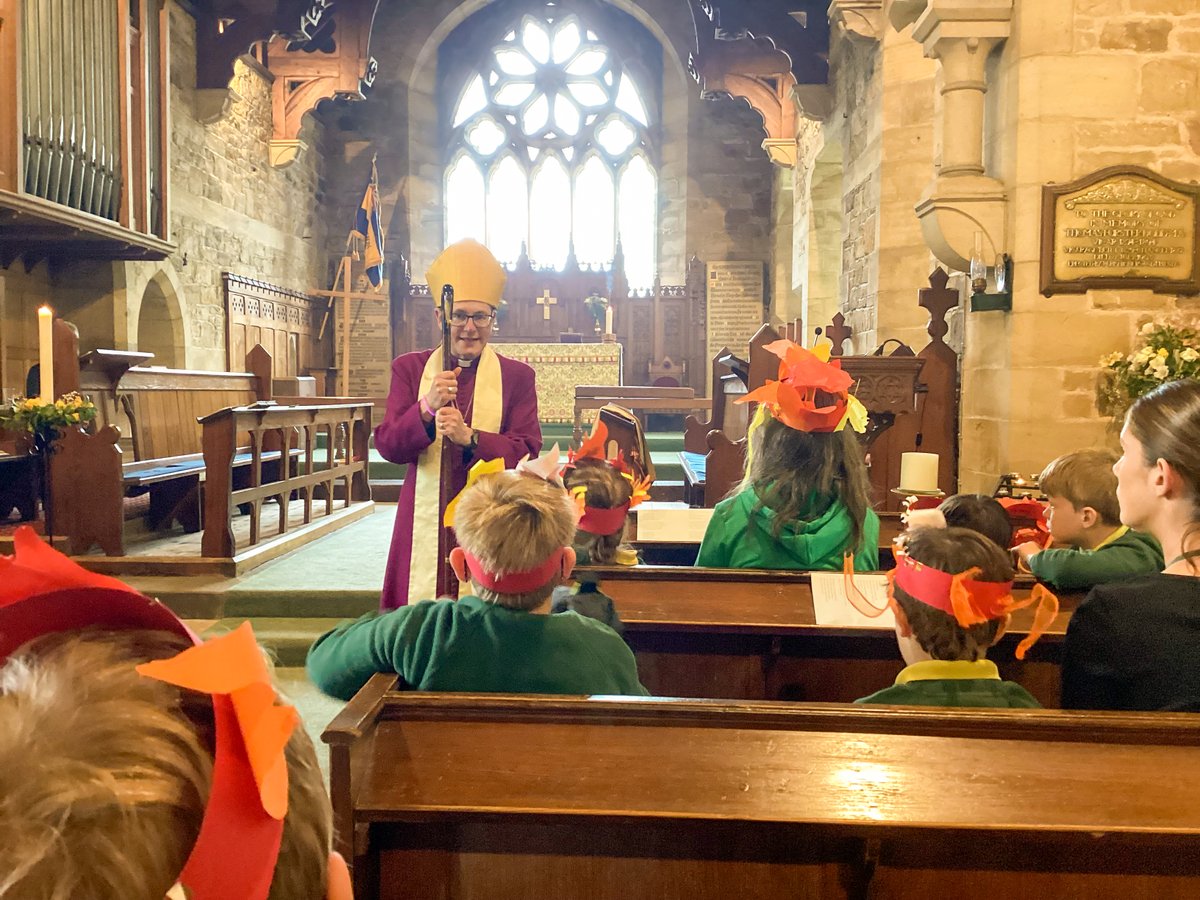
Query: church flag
point(368, 229)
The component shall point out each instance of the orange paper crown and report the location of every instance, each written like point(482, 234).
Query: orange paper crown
point(812, 393)
point(968, 599)
point(44, 592)
point(594, 519)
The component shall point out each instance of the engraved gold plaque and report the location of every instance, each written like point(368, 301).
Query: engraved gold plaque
point(1121, 227)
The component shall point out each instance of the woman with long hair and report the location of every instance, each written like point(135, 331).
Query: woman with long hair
point(804, 502)
point(1136, 644)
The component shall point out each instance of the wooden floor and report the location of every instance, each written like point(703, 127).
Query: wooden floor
point(176, 553)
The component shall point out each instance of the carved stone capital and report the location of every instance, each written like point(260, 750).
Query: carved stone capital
point(782, 151)
point(953, 208)
point(861, 18)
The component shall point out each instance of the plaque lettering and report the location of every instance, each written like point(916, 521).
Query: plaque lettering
point(1122, 227)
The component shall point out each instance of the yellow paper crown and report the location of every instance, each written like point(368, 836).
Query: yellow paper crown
point(471, 270)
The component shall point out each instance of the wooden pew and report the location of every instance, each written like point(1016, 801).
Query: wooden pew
point(462, 796)
point(159, 409)
point(633, 397)
point(752, 635)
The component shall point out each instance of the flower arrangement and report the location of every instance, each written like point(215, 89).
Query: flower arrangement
point(44, 420)
point(1169, 351)
point(596, 305)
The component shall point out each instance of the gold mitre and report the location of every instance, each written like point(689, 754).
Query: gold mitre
point(471, 269)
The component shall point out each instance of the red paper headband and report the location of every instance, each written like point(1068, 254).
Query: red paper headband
point(971, 601)
point(44, 592)
point(603, 521)
point(514, 582)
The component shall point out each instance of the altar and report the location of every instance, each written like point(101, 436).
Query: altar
point(560, 367)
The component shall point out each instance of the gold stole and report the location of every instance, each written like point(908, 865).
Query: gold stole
point(487, 410)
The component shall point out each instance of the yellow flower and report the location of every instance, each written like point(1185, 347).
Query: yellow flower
point(1162, 351)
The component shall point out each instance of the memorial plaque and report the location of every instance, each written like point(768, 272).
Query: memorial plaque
point(1120, 227)
point(735, 305)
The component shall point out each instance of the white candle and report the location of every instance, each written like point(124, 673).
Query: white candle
point(918, 471)
point(46, 353)
point(608, 320)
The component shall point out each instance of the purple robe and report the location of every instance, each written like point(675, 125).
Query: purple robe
point(402, 436)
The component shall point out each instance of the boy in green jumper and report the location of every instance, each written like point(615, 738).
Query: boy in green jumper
point(514, 532)
point(1091, 545)
point(951, 593)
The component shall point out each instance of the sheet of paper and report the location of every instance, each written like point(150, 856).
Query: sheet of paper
point(682, 525)
point(832, 607)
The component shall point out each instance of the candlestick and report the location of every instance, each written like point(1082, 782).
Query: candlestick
point(608, 316)
point(46, 354)
point(918, 471)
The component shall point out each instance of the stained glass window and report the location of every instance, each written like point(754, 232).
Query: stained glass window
point(550, 147)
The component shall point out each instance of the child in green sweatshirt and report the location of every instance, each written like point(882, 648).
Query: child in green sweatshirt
point(1090, 546)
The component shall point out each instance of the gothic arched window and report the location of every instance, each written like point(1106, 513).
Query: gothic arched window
point(550, 146)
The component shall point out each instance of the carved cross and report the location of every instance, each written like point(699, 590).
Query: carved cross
point(545, 302)
point(938, 300)
point(838, 332)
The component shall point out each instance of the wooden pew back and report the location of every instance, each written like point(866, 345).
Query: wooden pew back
point(753, 635)
point(472, 796)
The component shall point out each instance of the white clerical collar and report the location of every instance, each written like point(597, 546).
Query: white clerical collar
point(466, 363)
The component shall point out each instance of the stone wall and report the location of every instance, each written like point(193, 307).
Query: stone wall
point(1082, 84)
point(229, 211)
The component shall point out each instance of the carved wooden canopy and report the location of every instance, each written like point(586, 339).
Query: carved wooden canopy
point(315, 49)
point(760, 50)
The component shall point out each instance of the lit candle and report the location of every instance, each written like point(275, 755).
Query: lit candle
point(608, 320)
point(918, 471)
point(46, 353)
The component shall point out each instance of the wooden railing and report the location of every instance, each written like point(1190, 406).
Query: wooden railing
point(346, 429)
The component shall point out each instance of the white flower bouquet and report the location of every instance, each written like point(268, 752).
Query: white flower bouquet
point(1168, 352)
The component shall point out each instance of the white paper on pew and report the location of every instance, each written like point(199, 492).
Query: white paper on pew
point(832, 607)
point(665, 524)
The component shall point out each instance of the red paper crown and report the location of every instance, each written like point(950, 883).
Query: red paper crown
point(969, 600)
point(44, 592)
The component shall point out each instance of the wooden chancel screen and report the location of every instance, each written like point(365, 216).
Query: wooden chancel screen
point(285, 322)
point(660, 329)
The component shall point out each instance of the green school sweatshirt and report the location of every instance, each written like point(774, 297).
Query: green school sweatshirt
point(1127, 555)
point(474, 646)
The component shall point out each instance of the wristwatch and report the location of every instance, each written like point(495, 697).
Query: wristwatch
point(474, 445)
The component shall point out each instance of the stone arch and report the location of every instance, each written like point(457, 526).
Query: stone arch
point(160, 322)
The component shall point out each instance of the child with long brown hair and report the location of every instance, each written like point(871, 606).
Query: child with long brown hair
point(805, 500)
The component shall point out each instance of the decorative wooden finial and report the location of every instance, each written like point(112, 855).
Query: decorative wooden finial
point(938, 300)
point(838, 332)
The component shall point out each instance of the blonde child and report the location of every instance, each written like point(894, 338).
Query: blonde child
point(514, 531)
point(804, 502)
point(1091, 546)
point(118, 782)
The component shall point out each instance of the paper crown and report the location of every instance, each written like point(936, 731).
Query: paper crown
point(471, 270)
point(812, 393)
point(44, 592)
point(604, 520)
point(969, 600)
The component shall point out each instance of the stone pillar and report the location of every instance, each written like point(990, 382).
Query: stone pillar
point(962, 199)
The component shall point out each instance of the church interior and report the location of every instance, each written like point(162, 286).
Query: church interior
point(216, 220)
